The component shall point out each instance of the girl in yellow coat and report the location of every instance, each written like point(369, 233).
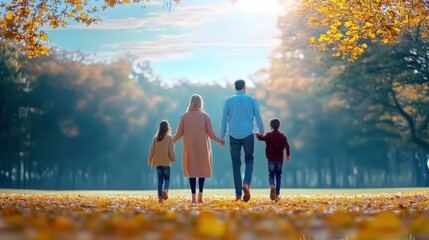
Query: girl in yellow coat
point(161, 156)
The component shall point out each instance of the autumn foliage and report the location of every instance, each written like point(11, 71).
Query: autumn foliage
point(349, 25)
point(24, 21)
point(347, 216)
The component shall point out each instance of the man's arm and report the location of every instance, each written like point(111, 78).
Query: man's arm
point(258, 117)
point(179, 131)
point(223, 121)
point(261, 137)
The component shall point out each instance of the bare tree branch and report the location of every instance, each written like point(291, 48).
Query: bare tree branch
point(426, 123)
point(416, 139)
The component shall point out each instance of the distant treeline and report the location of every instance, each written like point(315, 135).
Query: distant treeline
point(67, 122)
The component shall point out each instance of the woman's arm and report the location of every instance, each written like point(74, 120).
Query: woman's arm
point(210, 132)
point(179, 131)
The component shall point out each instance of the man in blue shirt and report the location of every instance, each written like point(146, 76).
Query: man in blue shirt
point(239, 113)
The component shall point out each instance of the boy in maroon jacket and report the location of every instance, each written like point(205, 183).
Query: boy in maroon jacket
point(276, 142)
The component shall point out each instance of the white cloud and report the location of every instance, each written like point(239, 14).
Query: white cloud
point(166, 48)
point(185, 32)
point(180, 17)
point(174, 47)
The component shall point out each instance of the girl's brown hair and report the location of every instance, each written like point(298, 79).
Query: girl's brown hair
point(164, 129)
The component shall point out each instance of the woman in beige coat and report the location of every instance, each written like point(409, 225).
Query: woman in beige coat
point(196, 129)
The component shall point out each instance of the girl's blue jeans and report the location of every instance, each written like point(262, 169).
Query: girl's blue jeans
point(163, 178)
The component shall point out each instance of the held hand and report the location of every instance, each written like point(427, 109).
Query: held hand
point(257, 134)
point(287, 158)
point(221, 143)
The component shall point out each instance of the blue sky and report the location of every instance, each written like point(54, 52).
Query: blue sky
point(203, 41)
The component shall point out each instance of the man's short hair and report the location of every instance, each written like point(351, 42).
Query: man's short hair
point(240, 84)
point(275, 123)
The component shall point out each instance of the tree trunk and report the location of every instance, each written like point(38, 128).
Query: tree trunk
point(319, 172)
point(412, 125)
point(423, 159)
point(346, 174)
point(333, 171)
point(293, 183)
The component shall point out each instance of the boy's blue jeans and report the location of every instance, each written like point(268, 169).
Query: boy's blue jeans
point(163, 175)
point(275, 170)
point(235, 146)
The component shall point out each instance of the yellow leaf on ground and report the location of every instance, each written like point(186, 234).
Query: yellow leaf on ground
point(208, 225)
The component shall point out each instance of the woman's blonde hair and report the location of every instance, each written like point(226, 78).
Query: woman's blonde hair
point(196, 103)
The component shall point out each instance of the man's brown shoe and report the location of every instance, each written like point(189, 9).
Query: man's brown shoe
point(165, 194)
point(237, 198)
point(246, 191)
point(272, 192)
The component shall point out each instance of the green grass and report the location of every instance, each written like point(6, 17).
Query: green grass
point(228, 192)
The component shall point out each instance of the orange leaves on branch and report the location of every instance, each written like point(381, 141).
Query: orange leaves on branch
point(349, 25)
point(24, 21)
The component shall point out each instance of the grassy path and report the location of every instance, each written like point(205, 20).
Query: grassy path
point(228, 192)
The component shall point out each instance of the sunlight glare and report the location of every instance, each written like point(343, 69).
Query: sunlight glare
point(257, 6)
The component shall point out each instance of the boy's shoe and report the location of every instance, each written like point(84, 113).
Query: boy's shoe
point(160, 200)
point(237, 198)
point(272, 192)
point(165, 194)
point(246, 191)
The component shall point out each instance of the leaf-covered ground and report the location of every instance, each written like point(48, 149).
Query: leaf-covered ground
point(318, 217)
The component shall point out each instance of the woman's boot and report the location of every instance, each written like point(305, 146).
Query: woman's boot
point(200, 197)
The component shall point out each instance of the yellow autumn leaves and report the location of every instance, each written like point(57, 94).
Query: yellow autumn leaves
point(350, 25)
point(357, 216)
point(24, 21)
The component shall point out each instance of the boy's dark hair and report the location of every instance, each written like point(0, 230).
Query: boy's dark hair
point(275, 123)
point(240, 84)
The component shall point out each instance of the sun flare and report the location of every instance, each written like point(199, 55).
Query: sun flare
point(256, 6)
